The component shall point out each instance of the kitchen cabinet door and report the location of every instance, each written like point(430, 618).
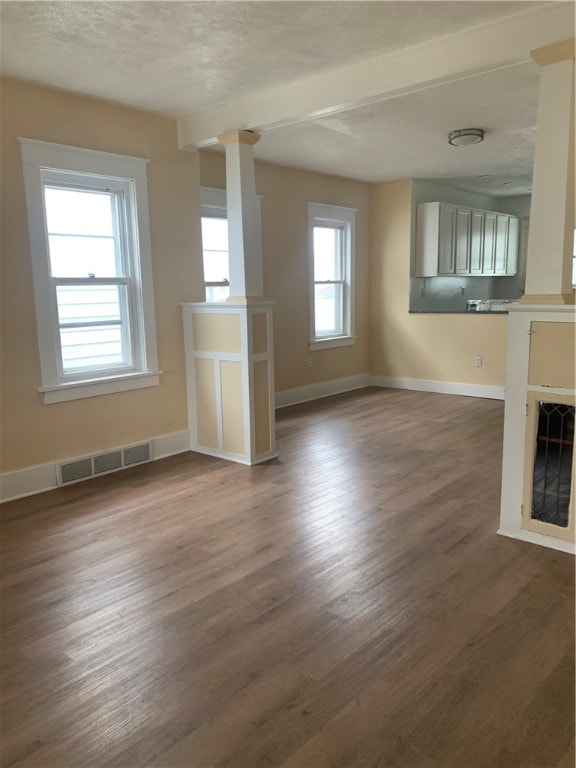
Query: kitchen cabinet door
point(426, 251)
point(489, 244)
point(477, 243)
point(501, 247)
point(462, 241)
point(446, 248)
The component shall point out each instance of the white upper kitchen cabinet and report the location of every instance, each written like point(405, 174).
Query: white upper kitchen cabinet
point(457, 240)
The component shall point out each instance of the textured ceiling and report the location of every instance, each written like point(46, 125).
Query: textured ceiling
point(182, 58)
point(410, 132)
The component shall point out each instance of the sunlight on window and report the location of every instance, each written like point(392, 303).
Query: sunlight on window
point(215, 258)
point(327, 312)
point(327, 261)
point(82, 235)
point(328, 270)
point(79, 212)
point(84, 244)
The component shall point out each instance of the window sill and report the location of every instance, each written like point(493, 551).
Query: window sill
point(332, 341)
point(78, 390)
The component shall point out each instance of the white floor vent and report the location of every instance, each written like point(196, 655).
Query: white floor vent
point(103, 463)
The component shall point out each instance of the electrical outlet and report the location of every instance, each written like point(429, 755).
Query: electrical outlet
point(309, 362)
point(478, 362)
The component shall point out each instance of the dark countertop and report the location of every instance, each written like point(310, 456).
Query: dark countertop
point(455, 312)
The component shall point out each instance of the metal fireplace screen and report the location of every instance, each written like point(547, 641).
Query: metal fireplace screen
point(553, 463)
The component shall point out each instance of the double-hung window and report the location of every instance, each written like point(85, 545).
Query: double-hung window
point(215, 249)
point(215, 244)
point(331, 234)
point(88, 225)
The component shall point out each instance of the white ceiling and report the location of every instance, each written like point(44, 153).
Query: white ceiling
point(183, 58)
point(407, 135)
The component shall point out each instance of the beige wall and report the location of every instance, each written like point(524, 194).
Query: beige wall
point(390, 341)
point(428, 346)
point(31, 432)
point(285, 194)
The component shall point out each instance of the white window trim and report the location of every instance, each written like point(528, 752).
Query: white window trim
point(39, 156)
point(93, 387)
point(213, 202)
point(336, 215)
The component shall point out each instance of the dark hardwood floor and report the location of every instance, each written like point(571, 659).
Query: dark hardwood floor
point(348, 604)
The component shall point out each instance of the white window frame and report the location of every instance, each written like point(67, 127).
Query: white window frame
point(320, 214)
point(44, 162)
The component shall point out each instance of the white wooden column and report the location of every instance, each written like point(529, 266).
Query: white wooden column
point(550, 243)
point(244, 229)
point(229, 346)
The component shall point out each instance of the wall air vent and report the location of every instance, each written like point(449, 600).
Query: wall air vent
point(107, 462)
point(137, 454)
point(103, 463)
point(74, 471)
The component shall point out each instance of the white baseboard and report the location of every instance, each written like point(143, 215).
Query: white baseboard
point(237, 458)
point(170, 445)
point(43, 477)
point(441, 387)
point(26, 482)
point(323, 389)
point(540, 539)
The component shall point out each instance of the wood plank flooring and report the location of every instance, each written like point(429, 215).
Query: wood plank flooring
point(348, 604)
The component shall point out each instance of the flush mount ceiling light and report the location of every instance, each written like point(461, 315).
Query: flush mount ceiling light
point(465, 136)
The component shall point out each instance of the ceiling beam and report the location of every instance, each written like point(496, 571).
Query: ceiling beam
point(482, 48)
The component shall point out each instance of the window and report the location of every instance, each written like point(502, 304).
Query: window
point(215, 252)
point(331, 242)
point(215, 244)
point(87, 216)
